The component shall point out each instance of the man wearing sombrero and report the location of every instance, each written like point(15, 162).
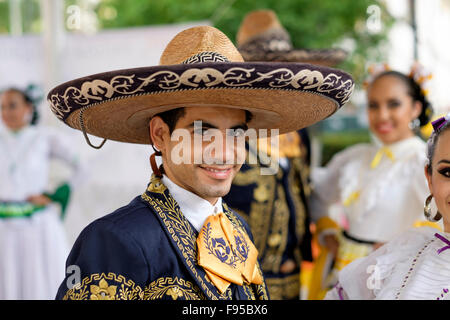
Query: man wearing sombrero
point(276, 206)
point(178, 240)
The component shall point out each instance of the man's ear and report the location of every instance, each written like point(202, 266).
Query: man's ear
point(159, 133)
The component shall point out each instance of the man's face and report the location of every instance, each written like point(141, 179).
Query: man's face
point(200, 162)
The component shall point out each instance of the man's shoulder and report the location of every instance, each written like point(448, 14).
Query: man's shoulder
point(135, 220)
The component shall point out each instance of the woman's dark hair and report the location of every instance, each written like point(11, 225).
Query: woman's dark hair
point(171, 117)
point(27, 98)
point(431, 144)
point(415, 91)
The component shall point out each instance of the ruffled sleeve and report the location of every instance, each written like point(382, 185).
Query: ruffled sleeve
point(370, 277)
point(325, 180)
point(60, 149)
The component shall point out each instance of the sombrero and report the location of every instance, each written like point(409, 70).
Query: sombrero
point(261, 37)
point(200, 67)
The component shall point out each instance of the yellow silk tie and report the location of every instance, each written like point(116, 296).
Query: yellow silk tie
point(226, 253)
point(376, 160)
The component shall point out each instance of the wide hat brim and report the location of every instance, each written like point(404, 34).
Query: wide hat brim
point(324, 57)
point(118, 105)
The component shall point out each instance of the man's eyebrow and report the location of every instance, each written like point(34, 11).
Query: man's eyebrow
point(208, 125)
point(204, 124)
point(444, 161)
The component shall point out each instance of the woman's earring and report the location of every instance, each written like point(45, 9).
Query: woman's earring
point(415, 124)
point(427, 211)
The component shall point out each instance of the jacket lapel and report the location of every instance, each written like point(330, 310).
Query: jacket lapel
point(181, 234)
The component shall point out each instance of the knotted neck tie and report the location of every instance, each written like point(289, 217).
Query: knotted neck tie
point(227, 254)
point(382, 151)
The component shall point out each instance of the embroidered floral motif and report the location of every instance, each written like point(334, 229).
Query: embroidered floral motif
point(184, 238)
point(103, 291)
point(221, 250)
point(175, 288)
point(242, 247)
point(219, 247)
point(104, 287)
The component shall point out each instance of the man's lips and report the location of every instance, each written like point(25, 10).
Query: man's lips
point(220, 173)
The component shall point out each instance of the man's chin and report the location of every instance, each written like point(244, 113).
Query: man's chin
point(215, 190)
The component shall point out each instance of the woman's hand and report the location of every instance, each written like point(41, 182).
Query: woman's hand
point(39, 200)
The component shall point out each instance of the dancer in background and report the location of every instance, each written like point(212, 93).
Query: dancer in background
point(380, 185)
point(33, 245)
point(416, 264)
point(275, 205)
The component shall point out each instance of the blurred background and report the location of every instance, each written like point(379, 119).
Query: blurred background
point(47, 42)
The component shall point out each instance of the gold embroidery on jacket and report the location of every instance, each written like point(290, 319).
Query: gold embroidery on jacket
point(181, 231)
point(173, 287)
point(104, 287)
point(284, 288)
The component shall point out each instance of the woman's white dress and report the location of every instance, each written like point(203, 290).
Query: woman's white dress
point(381, 190)
point(33, 248)
point(414, 265)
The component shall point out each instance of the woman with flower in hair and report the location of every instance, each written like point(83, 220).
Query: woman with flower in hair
point(379, 185)
point(33, 246)
point(415, 264)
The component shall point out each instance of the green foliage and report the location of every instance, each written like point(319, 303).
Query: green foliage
point(311, 24)
point(30, 14)
point(4, 17)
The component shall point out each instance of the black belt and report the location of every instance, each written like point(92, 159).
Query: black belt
point(357, 240)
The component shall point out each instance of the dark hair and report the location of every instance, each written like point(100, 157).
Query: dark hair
point(415, 91)
point(171, 117)
point(432, 142)
point(27, 98)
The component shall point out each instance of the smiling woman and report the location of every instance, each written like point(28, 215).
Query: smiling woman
point(437, 170)
point(379, 185)
point(416, 264)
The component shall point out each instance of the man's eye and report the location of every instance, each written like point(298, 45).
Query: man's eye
point(198, 131)
point(236, 133)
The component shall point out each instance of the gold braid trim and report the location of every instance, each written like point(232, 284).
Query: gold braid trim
point(174, 287)
point(105, 287)
point(284, 288)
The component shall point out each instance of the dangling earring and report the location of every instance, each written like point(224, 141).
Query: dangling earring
point(427, 211)
point(415, 124)
point(157, 171)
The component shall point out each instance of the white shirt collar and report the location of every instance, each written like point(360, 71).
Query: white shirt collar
point(194, 208)
point(400, 148)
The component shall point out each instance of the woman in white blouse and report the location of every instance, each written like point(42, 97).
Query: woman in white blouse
point(380, 185)
point(416, 264)
point(33, 245)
